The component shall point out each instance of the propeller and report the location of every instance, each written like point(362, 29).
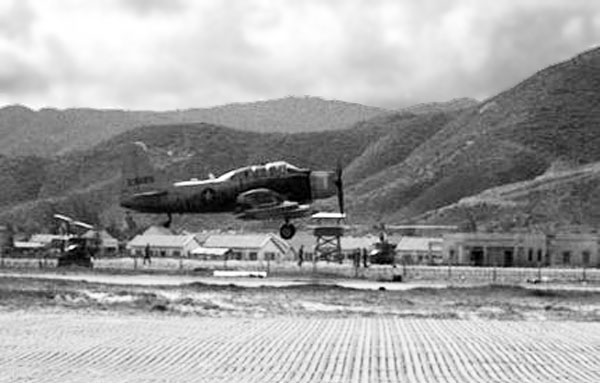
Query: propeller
point(340, 187)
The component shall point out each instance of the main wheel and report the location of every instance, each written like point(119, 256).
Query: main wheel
point(287, 231)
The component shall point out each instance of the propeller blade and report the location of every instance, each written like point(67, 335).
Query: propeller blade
point(63, 218)
point(340, 187)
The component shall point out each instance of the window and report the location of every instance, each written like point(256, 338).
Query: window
point(270, 256)
point(177, 253)
point(163, 253)
point(530, 255)
point(539, 253)
point(253, 256)
point(566, 257)
point(585, 257)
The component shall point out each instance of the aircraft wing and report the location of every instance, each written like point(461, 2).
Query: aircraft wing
point(266, 204)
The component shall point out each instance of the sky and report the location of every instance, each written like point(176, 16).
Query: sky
point(178, 54)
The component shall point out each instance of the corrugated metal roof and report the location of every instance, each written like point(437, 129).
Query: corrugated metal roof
point(246, 241)
point(173, 241)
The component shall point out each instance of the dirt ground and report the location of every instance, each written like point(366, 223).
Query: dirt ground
point(72, 331)
point(199, 299)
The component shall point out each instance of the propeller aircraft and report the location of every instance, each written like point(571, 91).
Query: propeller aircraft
point(276, 190)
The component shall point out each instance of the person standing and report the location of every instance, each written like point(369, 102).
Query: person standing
point(301, 255)
point(147, 255)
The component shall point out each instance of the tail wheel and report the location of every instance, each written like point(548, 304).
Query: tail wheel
point(287, 231)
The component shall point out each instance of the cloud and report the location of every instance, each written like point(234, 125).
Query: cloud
point(16, 20)
point(144, 7)
point(18, 77)
point(161, 54)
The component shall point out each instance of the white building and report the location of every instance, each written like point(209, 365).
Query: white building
point(419, 250)
point(161, 245)
point(250, 247)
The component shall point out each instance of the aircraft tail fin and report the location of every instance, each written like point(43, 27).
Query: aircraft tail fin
point(138, 176)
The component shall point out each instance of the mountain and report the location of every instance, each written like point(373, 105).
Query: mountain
point(85, 183)
point(563, 197)
point(453, 105)
point(50, 132)
point(433, 166)
point(511, 137)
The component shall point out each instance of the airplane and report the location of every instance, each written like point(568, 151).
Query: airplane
point(276, 190)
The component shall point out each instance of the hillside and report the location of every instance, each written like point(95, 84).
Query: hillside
point(453, 105)
point(399, 167)
point(560, 198)
point(86, 183)
point(51, 131)
point(511, 137)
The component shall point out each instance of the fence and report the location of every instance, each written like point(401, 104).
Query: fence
point(454, 274)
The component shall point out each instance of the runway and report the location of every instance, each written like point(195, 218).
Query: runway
point(74, 346)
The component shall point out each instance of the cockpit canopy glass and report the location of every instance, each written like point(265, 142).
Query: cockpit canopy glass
point(259, 171)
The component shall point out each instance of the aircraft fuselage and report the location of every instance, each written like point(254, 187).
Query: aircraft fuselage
point(216, 196)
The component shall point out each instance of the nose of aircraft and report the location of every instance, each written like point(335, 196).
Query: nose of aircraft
point(322, 184)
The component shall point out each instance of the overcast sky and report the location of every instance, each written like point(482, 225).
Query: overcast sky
point(175, 54)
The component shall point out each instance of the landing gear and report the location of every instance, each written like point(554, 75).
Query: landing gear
point(287, 230)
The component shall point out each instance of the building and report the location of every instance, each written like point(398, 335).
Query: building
point(307, 242)
point(161, 245)
point(522, 249)
point(48, 239)
point(251, 247)
point(580, 250)
point(211, 253)
point(108, 245)
point(495, 249)
point(418, 250)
